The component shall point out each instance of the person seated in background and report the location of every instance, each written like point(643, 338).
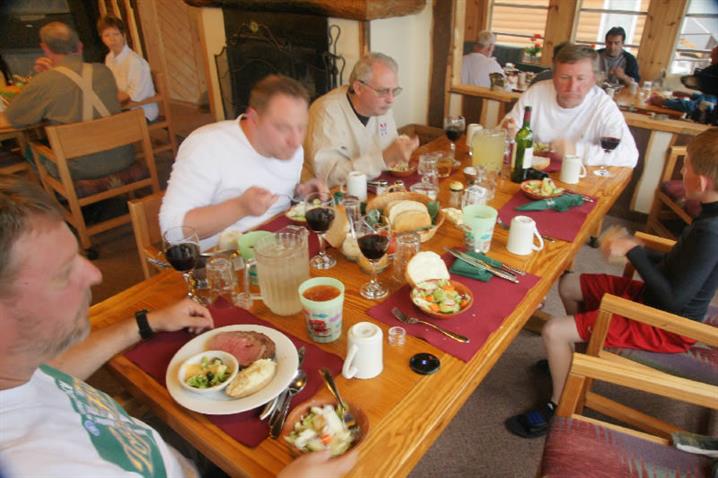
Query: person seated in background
point(681, 281)
point(53, 423)
point(548, 73)
point(68, 92)
point(352, 127)
point(479, 64)
point(132, 72)
point(617, 64)
point(570, 112)
point(241, 172)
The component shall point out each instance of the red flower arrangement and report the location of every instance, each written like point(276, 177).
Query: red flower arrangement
point(535, 50)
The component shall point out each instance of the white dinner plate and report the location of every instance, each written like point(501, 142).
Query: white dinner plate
point(217, 403)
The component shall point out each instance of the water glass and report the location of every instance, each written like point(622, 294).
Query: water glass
point(407, 245)
point(475, 195)
point(221, 279)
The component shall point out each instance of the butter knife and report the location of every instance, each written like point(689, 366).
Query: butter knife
point(482, 265)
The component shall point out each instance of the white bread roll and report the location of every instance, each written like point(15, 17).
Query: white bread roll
point(424, 266)
point(252, 379)
point(394, 209)
point(411, 220)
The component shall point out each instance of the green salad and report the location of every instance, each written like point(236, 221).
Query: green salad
point(439, 296)
point(321, 429)
point(208, 373)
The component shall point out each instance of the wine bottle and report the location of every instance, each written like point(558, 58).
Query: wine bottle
point(523, 156)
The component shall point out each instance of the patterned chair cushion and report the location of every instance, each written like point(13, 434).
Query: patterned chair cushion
point(88, 187)
point(699, 363)
point(575, 448)
point(9, 158)
point(674, 189)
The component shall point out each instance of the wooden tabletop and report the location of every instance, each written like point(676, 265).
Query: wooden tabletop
point(406, 411)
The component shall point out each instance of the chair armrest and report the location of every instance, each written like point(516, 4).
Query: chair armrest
point(633, 377)
point(657, 243)
point(610, 304)
point(44, 150)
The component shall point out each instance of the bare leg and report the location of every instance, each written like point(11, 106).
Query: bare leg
point(559, 336)
point(569, 289)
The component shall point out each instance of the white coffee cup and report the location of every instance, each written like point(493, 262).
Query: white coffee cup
point(521, 236)
point(364, 351)
point(471, 129)
point(572, 169)
point(356, 185)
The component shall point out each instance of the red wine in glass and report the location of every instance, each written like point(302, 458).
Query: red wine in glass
point(453, 133)
point(319, 219)
point(609, 143)
point(183, 257)
point(373, 246)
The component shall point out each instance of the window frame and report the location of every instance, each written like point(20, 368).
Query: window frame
point(676, 46)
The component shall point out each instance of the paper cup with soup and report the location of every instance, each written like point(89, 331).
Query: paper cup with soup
point(323, 302)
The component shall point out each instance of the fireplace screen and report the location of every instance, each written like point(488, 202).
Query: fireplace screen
point(262, 43)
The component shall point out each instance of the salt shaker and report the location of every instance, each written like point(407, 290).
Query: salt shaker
point(456, 192)
point(407, 245)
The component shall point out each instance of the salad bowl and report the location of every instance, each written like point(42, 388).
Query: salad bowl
point(442, 298)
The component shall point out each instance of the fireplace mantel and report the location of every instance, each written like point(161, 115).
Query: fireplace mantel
point(349, 9)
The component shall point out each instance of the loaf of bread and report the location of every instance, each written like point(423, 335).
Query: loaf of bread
point(252, 379)
point(407, 216)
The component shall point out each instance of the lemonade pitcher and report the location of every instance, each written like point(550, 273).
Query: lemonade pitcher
point(282, 264)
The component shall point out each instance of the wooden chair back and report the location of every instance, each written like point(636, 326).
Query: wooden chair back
point(167, 139)
point(70, 141)
point(145, 216)
point(664, 207)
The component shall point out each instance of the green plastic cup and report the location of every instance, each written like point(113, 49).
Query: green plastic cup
point(323, 318)
point(479, 222)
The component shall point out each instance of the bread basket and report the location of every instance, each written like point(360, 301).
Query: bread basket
point(380, 202)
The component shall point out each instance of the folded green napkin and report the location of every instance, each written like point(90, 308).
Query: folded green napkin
point(465, 269)
point(560, 204)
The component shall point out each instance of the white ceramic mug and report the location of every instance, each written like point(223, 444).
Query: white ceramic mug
point(470, 130)
point(364, 351)
point(572, 169)
point(356, 185)
point(521, 236)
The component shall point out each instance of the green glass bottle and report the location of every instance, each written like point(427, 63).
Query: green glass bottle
point(524, 148)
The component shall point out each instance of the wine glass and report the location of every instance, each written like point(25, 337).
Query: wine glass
point(611, 136)
point(181, 249)
point(454, 127)
point(319, 213)
point(373, 242)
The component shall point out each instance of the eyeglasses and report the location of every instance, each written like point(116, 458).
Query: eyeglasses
point(384, 92)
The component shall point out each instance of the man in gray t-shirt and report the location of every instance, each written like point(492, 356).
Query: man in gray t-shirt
point(618, 65)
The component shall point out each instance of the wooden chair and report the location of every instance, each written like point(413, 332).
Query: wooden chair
point(145, 215)
point(163, 122)
point(576, 445)
point(11, 155)
point(70, 141)
point(669, 201)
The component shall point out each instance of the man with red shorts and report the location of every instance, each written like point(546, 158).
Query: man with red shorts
point(681, 281)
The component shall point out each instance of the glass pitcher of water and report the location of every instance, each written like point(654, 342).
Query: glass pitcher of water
point(282, 264)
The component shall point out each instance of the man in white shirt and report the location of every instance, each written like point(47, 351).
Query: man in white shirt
point(53, 423)
point(240, 173)
point(352, 127)
point(131, 71)
point(479, 64)
point(571, 113)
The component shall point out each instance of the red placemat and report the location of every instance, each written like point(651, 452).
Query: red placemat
point(154, 355)
point(493, 302)
point(560, 225)
point(281, 221)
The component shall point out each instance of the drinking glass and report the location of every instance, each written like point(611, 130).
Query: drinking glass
point(611, 136)
point(181, 249)
point(428, 169)
point(320, 213)
point(373, 242)
point(454, 127)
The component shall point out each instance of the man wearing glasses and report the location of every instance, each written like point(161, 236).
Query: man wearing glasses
point(352, 128)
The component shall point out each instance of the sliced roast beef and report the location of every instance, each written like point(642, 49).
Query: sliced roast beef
point(247, 347)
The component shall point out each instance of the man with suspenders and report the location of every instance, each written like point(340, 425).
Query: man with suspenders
point(69, 91)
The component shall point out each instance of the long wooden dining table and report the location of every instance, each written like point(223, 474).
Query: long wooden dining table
point(407, 412)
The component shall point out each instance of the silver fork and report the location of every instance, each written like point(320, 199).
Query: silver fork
point(402, 317)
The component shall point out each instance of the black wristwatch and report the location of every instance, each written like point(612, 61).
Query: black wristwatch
point(143, 324)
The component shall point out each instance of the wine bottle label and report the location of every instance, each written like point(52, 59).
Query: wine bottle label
point(528, 157)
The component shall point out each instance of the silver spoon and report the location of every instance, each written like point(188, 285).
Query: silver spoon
point(295, 386)
point(346, 414)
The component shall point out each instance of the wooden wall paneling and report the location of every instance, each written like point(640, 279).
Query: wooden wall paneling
point(446, 50)
point(208, 64)
point(561, 18)
point(663, 24)
point(150, 25)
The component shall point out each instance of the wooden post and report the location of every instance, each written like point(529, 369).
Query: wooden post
point(660, 34)
point(559, 23)
point(444, 62)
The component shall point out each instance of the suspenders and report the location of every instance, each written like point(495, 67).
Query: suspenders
point(90, 99)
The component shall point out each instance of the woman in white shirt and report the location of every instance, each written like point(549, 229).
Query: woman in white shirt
point(131, 71)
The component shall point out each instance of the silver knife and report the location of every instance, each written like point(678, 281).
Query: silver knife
point(474, 262)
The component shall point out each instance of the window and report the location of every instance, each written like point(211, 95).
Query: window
point(596, 17)
point(516, 22)
point(697, 38)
